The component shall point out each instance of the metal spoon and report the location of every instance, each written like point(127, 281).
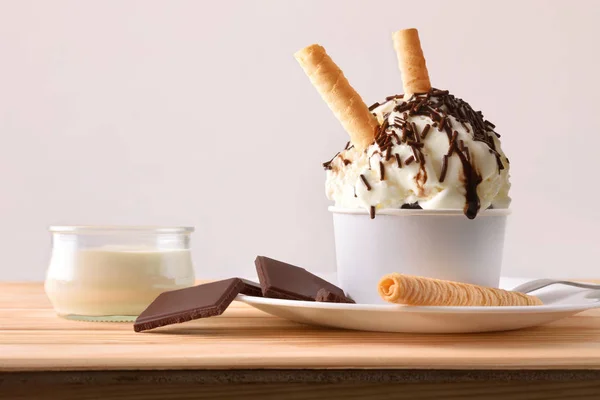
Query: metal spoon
point(540, 283)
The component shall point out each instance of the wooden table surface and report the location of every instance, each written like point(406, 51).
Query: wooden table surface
point(246, 343)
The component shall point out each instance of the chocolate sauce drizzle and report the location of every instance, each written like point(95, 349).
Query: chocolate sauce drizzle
point(437, 105)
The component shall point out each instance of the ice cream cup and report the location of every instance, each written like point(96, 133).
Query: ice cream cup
point(441, 244)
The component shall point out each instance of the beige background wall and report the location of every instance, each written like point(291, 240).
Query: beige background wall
point(195, 113)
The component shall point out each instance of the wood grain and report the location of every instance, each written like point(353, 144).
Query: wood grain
point(32, 338)
point(23, 295)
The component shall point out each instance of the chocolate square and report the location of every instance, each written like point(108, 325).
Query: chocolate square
point(251, 288)
point(183, 305)
point(326, 296)
point(280, 280)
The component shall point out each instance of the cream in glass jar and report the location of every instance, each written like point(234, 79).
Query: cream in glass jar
point(114, 273)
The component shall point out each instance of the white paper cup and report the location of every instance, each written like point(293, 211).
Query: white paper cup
point(434, 243)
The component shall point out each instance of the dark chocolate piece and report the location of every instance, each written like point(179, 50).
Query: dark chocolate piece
point(251, 288)
point(280, 280)
point(183, 305)
point(324, 295)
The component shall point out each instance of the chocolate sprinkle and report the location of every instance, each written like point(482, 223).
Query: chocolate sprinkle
point(365, 182)
point(453, 139)
point(444, 168)
point(396, 96)
point(381, 171)
point(442, 122)
point(465, 126)
point(412, 143)
point(416, 154)
point(416, 132)
point(398, 160)
point(398, 121)
point(409, 160)
point(402, 107)
point(425, 131)
point(374, 106)
point(499, 162)
point(434, 115)
point(327, 164)
point(372, 212)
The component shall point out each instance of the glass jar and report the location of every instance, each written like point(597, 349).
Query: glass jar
point(112, 273)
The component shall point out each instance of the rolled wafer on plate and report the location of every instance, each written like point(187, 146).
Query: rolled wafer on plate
point(421, 291)
point(347, 105)
point(415, 77)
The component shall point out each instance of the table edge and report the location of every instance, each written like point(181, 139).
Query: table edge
point(294, 376)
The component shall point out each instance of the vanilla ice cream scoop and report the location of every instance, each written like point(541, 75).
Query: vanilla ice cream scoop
point(431, 151)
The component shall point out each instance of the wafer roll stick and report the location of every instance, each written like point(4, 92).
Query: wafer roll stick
point(421, 291)
point(342, 99)
point(415, 77)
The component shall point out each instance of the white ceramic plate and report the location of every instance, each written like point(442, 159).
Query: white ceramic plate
point(559, 302)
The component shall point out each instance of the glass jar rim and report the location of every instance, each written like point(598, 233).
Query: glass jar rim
point(119, 229)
